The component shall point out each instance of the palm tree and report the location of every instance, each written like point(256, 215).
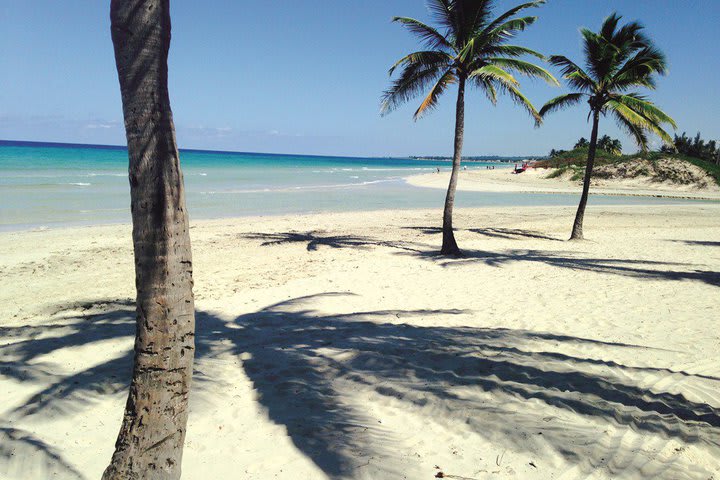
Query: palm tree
point(469, 46)
point(582, 143)
point(610, 145)
point(617, 60)
point(151, 437)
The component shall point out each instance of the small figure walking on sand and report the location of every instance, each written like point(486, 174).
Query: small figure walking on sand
point(438, 169)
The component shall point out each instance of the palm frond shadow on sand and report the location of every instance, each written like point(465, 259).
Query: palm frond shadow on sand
point(317, 238)
point(493, 232)
point(313, 373)
point(649, 269)
point(645, 269)
point(699, 243)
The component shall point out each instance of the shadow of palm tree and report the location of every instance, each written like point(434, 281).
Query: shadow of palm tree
point(512, 233)
point(427, 230)
point(314, 372)
point(24, 456)
point(316, 238)
point(646, 269)
point(702, 243)
point(495, 232)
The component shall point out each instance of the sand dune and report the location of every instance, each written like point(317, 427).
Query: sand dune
point(339, 346)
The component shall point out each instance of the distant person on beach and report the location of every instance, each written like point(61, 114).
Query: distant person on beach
point(438, 169)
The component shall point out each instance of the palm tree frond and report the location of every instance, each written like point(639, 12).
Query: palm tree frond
point(563, 101)
point(411, 83)
point(599, 55)
point(427, 34)
point(486, 85)
point(526, 68)
point(495, 73)
point(638, 70)
point(430, 101)
point(510, 27)
point(512, 51)
point(575, 75)
point(639, 120)
point(607, 30)
point(648, 109)
point(637, 133)
point(423, 59)
point(522, 101)
point(442, 13)
point(502, 18)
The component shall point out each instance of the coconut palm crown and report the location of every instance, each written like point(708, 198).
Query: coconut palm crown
point(618, 60)
point(472, 47)
point(469, 46)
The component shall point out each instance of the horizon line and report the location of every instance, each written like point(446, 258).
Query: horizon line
point(201, 150)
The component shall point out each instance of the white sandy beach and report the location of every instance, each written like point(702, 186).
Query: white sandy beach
point(534, 180)
point(338, 346)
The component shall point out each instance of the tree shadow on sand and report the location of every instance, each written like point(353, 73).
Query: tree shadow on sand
point(644, 269)
point(317, 238)
point(494, 232)
point(700, 243)
point(24, 456)
point(315, 374)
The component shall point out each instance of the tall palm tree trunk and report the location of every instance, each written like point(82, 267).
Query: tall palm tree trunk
point(150, 442)
point(449, 245)
point(577, 231)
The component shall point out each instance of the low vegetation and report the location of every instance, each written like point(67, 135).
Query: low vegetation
point(571, 164)
point(696, 148)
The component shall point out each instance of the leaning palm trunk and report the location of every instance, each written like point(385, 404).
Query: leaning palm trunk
point(577, 231)
point(449, 245)
point(150, 442)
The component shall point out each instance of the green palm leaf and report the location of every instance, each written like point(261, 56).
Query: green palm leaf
point(575, 75)
point(512, 51)
point(427, 34)
point(424, 59)
point(526, 68)
point(638, 119)
point(495, 73)
point(411, 83)
point(637, 133)
point(431, 100)
point(563, 101)
point(502, 18)
point(648, 109)
point(523, 102)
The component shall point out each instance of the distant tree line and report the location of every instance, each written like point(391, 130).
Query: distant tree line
point(695, 147)
point(477, 158)
point(612, 146)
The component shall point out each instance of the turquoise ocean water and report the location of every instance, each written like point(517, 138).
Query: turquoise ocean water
point(50, 185)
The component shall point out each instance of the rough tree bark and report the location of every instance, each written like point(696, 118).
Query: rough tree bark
point(150, 442)
point(577, 231)
point(449, 245)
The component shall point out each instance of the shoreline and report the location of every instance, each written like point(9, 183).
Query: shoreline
point(374, 211)
point(532, 181)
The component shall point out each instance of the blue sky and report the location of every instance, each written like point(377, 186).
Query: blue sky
point(305, 76)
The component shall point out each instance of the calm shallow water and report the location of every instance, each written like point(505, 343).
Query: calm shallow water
point(46, 185)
